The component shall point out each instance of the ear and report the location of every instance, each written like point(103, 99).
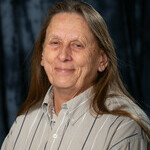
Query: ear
point(42, 62)
point(103, 61)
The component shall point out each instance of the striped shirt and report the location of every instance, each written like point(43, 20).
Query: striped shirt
point(76, 128)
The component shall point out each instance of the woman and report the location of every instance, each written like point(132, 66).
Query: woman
point(76, 98)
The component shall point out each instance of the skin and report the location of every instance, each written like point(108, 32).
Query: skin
point(71, 57)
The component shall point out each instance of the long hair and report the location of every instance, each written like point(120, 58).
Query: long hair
point(108, 79)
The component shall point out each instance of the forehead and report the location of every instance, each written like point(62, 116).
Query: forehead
point(71, 24)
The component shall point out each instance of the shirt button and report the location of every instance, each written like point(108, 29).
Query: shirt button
point(54, 136)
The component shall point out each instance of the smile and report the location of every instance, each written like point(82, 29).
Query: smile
point(64, 70)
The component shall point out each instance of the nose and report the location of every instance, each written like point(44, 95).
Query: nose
point(64, 54)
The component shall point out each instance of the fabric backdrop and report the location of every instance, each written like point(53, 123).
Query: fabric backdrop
point(20, 22)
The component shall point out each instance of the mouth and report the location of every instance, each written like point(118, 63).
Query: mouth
point(64, 70)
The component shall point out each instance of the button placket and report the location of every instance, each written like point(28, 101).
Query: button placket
point(58, 129)
point(54, 135)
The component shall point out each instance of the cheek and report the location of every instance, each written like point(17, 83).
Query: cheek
point(48, 56)
point(90, 63)
point(87, 59)
point(84, 62)
point(82, 59)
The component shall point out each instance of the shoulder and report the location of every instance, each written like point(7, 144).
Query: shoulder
point(122, 131)
point(120, 125)
point(127, 105)
point(22, 123)
point(119, 132)
point(28, 116)
point(126, 133)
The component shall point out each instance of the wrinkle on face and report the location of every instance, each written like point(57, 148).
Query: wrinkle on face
point(69, 36)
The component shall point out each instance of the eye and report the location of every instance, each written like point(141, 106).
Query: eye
point(77, 45)
point(54, 42)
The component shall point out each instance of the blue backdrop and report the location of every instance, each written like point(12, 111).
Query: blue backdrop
point(20, 22)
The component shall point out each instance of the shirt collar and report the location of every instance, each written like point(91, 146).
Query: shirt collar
point(76, 107)
point(48, 100)
point(80, 104)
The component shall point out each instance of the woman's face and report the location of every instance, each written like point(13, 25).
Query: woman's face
point(71, 57)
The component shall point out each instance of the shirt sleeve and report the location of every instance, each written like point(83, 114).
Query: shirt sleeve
point(132, 143)
point(129, 136)
point(8, 137)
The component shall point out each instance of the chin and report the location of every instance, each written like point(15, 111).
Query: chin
point(63, 84)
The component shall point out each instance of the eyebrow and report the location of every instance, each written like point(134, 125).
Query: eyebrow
point(52, 36)
point(82, 39)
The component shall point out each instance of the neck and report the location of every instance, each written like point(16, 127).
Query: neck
point(62, 96)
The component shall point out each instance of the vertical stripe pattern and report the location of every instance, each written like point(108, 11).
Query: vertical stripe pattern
point(75, 128)
point(35, 131)
point(20, 130)
point(89, 132)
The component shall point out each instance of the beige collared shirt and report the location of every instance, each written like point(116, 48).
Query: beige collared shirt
point(75, 128)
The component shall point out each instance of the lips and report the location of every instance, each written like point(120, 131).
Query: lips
point(64, 70)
